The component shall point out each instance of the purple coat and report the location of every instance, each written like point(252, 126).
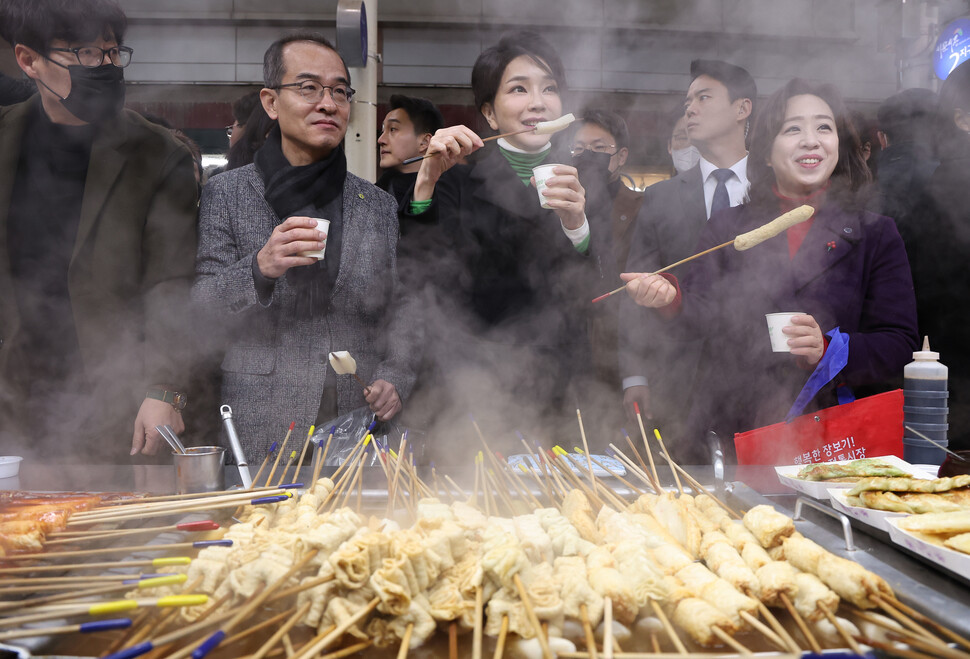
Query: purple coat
point(851, 271)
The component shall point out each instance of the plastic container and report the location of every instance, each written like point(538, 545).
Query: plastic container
point(925, 414)
point(925, 387)
point(9, 465)
point(935, 431)
point(918, 451)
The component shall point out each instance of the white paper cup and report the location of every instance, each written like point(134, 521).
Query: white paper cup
point(777, 321)
point(542, 173)
point(324, 226)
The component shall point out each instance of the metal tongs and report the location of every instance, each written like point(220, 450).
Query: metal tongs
point(237, 450)
point(168, 434)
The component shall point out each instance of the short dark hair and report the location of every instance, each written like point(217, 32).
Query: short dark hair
point(491, 64)
point(37, 23)
point(611, 122)
point(424, 116)
point(955, 92)
point(673, 117)
point(243, 106)
point(738, 81)
point(850, 172)
point(908, 116)
point(273, 66)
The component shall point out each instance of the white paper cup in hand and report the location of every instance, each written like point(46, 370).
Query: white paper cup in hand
point(777, 322)
point(542, 173)
point(324, 226)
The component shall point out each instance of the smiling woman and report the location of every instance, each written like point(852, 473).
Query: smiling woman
point(844, 268)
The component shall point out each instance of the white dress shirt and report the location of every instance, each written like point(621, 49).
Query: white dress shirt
point(737, 185)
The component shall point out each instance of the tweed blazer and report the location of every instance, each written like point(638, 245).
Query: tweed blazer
point(130, 269)
point(276, 364)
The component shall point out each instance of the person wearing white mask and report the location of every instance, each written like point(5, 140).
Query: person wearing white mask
point(657, 371)
point(684, 155)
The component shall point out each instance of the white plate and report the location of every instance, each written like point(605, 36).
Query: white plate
point(870, 516)
point(9, 465)
point(951, 559)
point(820, 489)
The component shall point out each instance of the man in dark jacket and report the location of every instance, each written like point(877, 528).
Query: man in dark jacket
point(97, 230)
point(405, 134)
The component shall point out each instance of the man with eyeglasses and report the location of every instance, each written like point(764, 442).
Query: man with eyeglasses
point(284, 310)
point(97, 230)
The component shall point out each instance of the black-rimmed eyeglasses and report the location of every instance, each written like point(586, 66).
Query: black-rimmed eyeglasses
point(91, 57)
point(312, 92)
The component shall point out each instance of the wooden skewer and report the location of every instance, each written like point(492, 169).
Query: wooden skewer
point(777, 626)
point(669, 628)
point(945, 651)
point(255, 629)
point(614, 498)
point(895, 651)
point(171, 507)
point(916, 615)
point(392, 495)
point(904, 620)
point(607, 628)
point(282, 631)
point(140, 501)
point(654, 644)
point(615, 475)
point(493, 482)
point(502, 634)
point(663, 447)
point(477, 634)
point(299, 464)
point(205, 525)
point(633, 448)
point(484, 139)
point(531, 614)
point(406, 641)
point(589, 459)
point(703, 490)
point(286, 467)
point(288, 645)
point(588, 631)
point(672, 265)
point(335, 635)
point(182, 560)
point(802, 627)
point(634, 469)
point(102, 625)
point(348, 651)
point(319, 465)
point(276, 462)
point(104, 550)
point(646, 445)
point(269, 454)
point(839, 628)
point(731, 642)
point(73, 595)
point(765, 631)
point(453, 641)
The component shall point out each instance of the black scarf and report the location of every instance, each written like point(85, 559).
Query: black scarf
point(305, 189)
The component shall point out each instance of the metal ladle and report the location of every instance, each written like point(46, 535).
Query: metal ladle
point(168, 434)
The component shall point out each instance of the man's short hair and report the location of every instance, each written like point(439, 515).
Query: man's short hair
point(611, 122)
point(908, 116)
point(273, 66)
point(738, 81)
point(243, 106)
point(423, 114)
point(37, 23)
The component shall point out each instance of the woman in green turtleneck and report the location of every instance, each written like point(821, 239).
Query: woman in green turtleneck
point(512, 279)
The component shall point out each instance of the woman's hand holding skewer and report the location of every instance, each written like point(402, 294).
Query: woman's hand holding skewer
point(647, 290)
point(450, 145)
point(805, 339)
point(383, 399)
point(565, 195)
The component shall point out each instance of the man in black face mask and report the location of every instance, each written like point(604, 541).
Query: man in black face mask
point(97, 243)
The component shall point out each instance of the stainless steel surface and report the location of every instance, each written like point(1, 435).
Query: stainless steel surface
point(200, 469)
point(831, 512)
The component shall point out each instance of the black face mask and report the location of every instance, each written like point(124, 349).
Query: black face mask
point(97, 94)
point(591, 163)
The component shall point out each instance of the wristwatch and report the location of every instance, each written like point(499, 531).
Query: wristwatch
point(176, 399)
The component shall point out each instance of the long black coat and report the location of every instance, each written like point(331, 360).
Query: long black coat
point(510, 293)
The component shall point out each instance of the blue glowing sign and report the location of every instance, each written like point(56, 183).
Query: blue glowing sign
point(952, 48)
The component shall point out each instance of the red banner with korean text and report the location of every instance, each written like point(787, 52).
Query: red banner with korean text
point(865, 428)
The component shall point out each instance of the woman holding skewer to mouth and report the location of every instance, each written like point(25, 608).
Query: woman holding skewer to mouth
point(509, 276)
point(842, 268)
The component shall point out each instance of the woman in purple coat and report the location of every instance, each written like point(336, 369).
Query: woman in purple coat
point(844, 268)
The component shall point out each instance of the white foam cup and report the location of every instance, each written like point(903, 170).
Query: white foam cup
point(776, 322)
point(542, 173)
point(324, 226)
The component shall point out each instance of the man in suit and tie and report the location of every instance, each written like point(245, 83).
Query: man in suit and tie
point(286, 310)
point(97, 230)
point(658, 370)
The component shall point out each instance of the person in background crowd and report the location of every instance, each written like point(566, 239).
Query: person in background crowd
point(405, 133)
point(659, 368)
point(907, 159)
point(99, 227)
point(284, 310)
point(683, 154)
point(242, 108)
point(600, 143)
point(867, 128)
point(844, 268)
point(938, 243)
point(513, 279)
point(258, 126)
point(196, 155)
